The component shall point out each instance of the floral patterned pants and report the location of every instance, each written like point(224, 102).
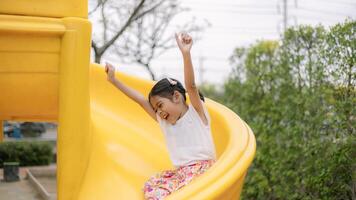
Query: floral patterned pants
point(164, 183)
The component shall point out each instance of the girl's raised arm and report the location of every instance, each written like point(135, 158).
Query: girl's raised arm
point(131, 93)
point(185, 43)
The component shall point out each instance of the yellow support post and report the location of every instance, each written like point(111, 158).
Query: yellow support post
point(74, 136)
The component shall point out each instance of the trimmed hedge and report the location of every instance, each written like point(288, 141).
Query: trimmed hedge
point(26, 153)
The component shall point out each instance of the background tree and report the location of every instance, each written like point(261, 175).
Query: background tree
point(298, 95)
point(137, 31)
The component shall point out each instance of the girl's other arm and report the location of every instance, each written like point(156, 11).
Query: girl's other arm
point(185, 42)
point(131, 93)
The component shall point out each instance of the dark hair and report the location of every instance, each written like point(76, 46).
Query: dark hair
point(166, 87)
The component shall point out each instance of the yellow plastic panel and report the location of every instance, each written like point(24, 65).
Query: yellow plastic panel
point(29, 54)
point(44, 76)
point(36, 91)
point(45, 8)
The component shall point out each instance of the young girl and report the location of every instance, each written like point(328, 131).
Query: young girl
point(186, 127)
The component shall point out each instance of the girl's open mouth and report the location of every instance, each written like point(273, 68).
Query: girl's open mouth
point(166, 116)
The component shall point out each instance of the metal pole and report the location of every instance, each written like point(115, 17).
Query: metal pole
point(285, 15)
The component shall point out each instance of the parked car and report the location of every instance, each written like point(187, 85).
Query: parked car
point(8, 128)
point(12, 129)
point(32, 129)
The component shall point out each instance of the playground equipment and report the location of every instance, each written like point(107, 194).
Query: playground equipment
point(107, 145)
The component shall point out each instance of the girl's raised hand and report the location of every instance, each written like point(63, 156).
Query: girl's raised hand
point(184, 42)
point(110, 70)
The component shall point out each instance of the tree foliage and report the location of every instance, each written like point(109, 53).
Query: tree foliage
point(298, 96)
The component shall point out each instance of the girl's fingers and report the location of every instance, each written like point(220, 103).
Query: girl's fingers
point(106, 69)
point(183, 39)
point(186, 40)
point(109, 68)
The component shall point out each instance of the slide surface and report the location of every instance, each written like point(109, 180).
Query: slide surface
point(127, 147)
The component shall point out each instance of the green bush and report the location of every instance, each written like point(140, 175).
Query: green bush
point(26, 153)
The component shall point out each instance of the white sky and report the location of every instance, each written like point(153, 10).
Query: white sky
point(233, 24)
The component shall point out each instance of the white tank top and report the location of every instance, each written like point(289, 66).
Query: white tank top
point(189, 139)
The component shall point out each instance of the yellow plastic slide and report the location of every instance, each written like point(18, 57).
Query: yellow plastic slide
point(128, 147)
point(107, 145)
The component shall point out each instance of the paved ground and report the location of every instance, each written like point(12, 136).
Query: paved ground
point(23, 189)
point(19, 190)
point(50, 184)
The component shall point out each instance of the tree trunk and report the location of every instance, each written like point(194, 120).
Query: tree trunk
point(153, 77)
point(97, 58)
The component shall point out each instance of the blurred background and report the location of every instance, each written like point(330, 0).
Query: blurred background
point(286, 67)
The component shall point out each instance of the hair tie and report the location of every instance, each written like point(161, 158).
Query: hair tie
point(171, 81)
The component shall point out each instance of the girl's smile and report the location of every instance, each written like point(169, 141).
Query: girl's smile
point(167, 109)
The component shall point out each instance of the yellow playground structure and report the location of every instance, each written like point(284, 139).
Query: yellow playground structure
point(107, 145)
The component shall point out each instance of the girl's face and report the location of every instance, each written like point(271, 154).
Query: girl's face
point(168, 109)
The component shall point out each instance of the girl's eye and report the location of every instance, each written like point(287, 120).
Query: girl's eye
point(160, 105)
